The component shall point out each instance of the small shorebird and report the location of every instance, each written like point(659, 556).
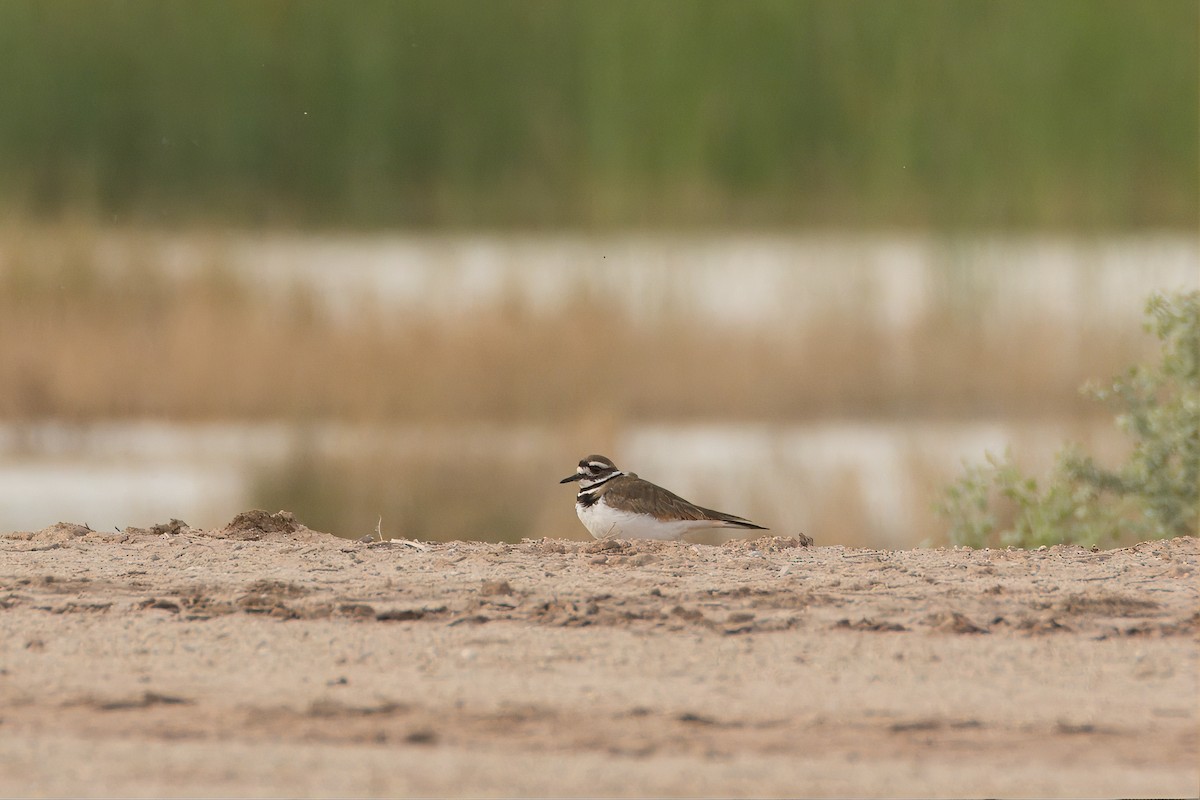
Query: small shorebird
point(619, 505)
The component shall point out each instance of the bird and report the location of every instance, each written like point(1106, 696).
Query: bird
point(613, 504)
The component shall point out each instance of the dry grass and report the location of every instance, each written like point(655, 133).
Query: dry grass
point(195, 356)
point(79, 341)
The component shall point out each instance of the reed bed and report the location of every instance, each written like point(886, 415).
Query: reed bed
point(1077, 114)
point(79, 342)
point(200, 354)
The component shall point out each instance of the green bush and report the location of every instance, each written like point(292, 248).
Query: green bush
point(1154, 494)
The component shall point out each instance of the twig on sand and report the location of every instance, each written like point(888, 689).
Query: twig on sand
point(406, 542)
point(411, 543)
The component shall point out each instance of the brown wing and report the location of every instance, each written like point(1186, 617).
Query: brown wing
point(631, 493)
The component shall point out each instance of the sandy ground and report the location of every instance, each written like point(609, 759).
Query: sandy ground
point(268, 659)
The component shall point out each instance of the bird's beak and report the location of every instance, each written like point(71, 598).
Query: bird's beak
point(571, 478)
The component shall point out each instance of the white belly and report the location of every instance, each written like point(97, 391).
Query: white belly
point(603, 522)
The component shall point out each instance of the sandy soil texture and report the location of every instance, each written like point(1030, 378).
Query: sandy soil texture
point(268, 659)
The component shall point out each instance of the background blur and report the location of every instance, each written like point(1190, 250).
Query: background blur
point(412, 260)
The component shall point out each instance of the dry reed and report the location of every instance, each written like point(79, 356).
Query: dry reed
point(78, 341)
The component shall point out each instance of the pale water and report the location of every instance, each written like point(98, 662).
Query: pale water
point(794, 478)
point(741, 280)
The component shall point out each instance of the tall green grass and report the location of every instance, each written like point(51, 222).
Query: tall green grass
point(1013, 113)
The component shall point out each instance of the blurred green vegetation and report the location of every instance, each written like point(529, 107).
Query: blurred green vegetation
point(1154, 495)
point(993, 114)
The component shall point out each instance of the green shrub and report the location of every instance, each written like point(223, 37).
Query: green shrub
point(1154, 494)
